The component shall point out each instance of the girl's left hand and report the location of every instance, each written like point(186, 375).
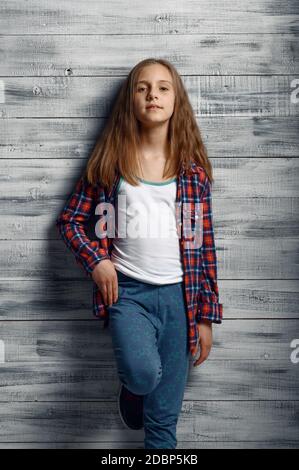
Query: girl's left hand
point(204, 328)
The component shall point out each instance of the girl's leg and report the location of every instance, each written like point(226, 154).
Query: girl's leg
point(134, 330)
point(162, 405)
point(148, 327)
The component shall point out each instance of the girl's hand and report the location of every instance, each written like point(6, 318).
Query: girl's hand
point(105, 276)
point(204, 328)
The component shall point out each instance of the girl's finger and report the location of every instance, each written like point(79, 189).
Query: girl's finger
point(115, 291)
point(104, 293)
point(110, 294)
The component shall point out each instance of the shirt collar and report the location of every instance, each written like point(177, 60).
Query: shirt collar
point(193, 169)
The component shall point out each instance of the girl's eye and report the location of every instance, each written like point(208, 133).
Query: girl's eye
point(162, 88)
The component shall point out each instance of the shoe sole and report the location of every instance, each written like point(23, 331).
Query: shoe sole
point(119, 411)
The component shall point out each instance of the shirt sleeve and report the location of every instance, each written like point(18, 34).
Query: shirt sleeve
point(208, 298)
point(71, 225)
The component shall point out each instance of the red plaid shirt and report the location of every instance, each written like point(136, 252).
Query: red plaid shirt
point(199, 264)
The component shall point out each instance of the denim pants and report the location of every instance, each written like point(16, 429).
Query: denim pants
point(149, 332)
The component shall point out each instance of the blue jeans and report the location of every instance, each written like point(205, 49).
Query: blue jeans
point(149, 331)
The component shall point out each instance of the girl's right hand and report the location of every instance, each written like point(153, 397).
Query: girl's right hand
point(105, 276)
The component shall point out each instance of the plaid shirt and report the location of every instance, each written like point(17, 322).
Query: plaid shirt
point(199, 264)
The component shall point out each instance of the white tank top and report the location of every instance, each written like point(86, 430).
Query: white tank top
point(146, 243)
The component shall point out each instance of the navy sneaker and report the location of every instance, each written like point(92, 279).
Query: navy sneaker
point(130, 407)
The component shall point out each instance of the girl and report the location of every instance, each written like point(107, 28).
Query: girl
point(158, 293)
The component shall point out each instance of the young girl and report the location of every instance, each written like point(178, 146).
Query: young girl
point(157, 291)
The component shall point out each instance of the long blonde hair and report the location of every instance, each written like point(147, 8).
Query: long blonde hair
point(117, 146)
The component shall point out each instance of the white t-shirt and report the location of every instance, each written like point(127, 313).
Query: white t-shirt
point(146, 243)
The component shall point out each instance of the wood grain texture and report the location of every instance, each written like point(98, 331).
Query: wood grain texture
point(213, 444)
point(95, 380)
point(171, 17)
point(92, 97)
point(251, 360)
point(25, 218)
point(263, 203)
point(254, 420)
point(244, 299)
point(224, 136)
point(256, 259)
point(240, 339)
point(61, 67)
point(217, 54)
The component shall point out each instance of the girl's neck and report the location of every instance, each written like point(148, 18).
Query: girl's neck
point(152, 168)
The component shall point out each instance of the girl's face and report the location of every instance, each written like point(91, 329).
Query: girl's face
point(154, 87)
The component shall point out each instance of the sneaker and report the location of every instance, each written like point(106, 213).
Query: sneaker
point(130, 408)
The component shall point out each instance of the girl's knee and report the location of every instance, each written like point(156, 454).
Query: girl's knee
point(142, 380)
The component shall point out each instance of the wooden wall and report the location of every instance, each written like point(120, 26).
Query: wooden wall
point(61, 63)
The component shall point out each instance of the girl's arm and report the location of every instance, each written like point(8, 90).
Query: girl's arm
point(71, 225)
point(209, 306)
